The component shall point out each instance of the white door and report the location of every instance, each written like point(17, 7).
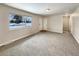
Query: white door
point(40, 23)
point(45, 23)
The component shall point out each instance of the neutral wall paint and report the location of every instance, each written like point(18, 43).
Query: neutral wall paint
point(75, 27)
point(6, 35)
point(55, 23)
point(74, 24)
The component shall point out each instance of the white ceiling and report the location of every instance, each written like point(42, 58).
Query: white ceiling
point(40, 8)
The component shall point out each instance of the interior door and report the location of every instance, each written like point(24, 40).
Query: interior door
point(45, 24)
point(40, 23)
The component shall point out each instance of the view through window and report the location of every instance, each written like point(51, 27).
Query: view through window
point(18, 21)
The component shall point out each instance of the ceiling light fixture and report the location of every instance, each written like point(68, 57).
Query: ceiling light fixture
point(47, 9)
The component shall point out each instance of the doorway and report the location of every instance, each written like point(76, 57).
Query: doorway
point(44, 24)
point(66, 23)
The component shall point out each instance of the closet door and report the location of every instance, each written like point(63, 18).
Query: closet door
point(40, 23)
point(45, 24)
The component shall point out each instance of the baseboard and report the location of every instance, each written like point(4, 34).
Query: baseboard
point(55, 31)
point(22, 37)
point(75, 37)
point(12, 41)
point(43, 30)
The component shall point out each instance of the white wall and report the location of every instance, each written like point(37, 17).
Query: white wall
point(55, 23)
point(74, 24)
point(6, 35)
point(75, 27)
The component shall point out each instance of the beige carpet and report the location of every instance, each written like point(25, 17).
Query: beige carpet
point(43, 44)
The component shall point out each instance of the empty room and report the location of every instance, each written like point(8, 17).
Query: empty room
point(39, 29)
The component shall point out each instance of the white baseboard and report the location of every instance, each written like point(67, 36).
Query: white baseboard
point(6, 43)
point(77, 39)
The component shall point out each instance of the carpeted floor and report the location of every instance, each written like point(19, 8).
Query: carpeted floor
point(43, 44)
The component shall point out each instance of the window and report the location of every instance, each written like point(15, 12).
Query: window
point(18, 21)
point(29, 21)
